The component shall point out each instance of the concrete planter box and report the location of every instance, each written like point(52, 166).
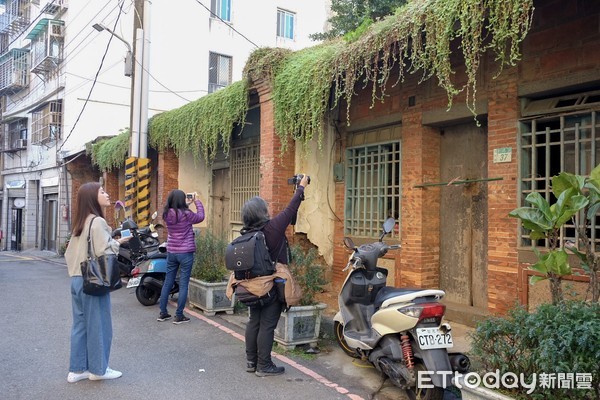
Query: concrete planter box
point(299, 325)
point(478, 393)
point(210, 297)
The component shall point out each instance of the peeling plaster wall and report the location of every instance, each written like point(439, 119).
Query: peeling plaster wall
point(315, 217)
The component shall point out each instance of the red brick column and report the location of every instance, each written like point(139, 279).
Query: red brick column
point(111, 186)
point(168, 179)
point(80, 171)
point(419, 265)
point(275, 168)
point(503, 114)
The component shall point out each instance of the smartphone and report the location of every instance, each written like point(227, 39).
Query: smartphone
point(190, 196)
point(125, 233)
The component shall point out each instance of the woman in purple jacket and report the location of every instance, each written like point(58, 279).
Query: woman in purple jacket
point(181, 246)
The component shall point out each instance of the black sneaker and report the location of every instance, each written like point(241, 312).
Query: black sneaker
point(180, 319)
point(163, 317)
point(250, 366)
point(271, 370)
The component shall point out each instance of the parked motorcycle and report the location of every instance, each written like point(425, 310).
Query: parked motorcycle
point(144, 240)
point(400, 331)
point(149, 275)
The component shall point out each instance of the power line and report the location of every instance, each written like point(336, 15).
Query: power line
point(93, 83)
point(225, 22)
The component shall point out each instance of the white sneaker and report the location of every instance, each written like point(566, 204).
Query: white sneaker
point(77, 376)
point(109, 374)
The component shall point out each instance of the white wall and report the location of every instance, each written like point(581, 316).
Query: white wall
point(181, 38)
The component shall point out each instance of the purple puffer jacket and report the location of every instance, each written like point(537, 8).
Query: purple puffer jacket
point(181, 234)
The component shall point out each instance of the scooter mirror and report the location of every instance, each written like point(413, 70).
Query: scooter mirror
point(388, 225)
point(348, 243)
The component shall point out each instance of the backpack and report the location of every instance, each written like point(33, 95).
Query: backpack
point(248, 256)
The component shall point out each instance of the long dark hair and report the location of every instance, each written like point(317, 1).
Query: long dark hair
point(87, 203)
point(176, 201)
point(255, 213)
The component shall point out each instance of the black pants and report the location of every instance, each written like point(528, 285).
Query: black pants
point(260, 332)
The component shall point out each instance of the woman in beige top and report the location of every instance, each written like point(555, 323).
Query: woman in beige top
point(91, 335)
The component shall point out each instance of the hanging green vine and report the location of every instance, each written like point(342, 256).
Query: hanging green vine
point(418, 38)
point(198, 126)
point(110, 153)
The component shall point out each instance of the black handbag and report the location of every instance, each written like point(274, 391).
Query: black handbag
point(100, 274)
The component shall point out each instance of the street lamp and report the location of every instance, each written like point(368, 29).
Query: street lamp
point(128, 56)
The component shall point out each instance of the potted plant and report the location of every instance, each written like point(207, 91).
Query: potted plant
point(208, 281)
point(301, 324)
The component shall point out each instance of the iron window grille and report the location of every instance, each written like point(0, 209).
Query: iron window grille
point(285, 24)
point(14, 71)
point(46, 123)
point(373, 188)
point(245, 173)
point(549, 145)
point(15, 135)
point(47, 40)
point(219, 72)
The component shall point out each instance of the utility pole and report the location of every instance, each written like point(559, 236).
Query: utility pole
point(137, 165)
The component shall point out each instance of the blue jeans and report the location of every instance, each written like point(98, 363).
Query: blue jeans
point(91, 335)
point(182, 262)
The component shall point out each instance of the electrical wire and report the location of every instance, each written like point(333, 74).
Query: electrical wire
point(93, 83)
point(225, 22)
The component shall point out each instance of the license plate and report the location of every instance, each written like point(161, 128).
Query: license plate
point(434, 338)
point(134, 282)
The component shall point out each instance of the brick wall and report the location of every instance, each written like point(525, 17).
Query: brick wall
point(275, 168)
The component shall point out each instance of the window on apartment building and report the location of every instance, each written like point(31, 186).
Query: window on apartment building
point(47, 40)
point(549, 145)
point(373, 188)
point(219, 72)
point(15, 135)
point(221, 8)
point(46, 123)
point(286, 21)
point(245, 173)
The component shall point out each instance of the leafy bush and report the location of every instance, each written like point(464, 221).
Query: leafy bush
point(308, 273)
point(209, 259)
point(563, 338)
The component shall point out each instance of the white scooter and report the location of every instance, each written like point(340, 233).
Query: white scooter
point(399, 331)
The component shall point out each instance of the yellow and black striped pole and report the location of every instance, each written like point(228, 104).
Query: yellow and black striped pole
point(131, 187)
point(143, 192)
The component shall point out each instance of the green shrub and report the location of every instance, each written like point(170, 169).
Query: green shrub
point(209, 259)
point(308, 273)
point(563, 338)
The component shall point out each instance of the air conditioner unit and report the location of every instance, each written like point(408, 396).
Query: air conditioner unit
point(21, 143)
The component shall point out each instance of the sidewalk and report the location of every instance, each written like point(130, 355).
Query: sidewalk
point(460, 332)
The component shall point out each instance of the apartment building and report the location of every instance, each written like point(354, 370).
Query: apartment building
point(64, 83)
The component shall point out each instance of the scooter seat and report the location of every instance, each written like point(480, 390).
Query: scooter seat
point(156, 254)
point(389, 292)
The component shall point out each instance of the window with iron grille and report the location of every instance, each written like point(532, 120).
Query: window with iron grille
point(285, 24)
point(373, 188)
point(245, 173)
point(221, 8)
point(219, 72)
point(46, 123)
point(549, 145)
point(15, 134)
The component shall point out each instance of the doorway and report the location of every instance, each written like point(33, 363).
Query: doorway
point(463, 215)
point(49, 222)
point(220, 203)
point(16, 231)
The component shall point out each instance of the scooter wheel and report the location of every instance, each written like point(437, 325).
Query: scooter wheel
point(338, 328)
point(146, 295)
point(434, 393)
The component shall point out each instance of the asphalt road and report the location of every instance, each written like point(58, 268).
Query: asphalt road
point(203, 359)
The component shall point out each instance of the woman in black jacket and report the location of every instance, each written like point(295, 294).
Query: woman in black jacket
point(263, 320)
